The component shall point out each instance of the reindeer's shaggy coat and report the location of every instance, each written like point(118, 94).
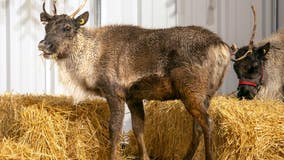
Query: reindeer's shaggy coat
point(273, 86)
point(139, 53)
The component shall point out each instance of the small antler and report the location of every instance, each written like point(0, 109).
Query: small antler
point(54, 7)
point(43, 8)
point(242, 57)
point(78, 10)
point(251, 39)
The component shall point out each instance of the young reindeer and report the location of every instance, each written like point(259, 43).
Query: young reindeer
point(260, 68)
point(129, 64)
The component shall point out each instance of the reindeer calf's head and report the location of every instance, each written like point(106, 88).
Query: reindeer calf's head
point(60, 31)
point(250, 69)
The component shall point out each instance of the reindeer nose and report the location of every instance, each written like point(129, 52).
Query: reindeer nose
point(41, 45)
point(44, 45)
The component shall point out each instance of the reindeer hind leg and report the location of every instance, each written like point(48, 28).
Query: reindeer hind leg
point(196, 134)
point(194, 95)
point(199, 112)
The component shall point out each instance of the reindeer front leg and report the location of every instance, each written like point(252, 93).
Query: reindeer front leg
point(116, 106)
point(138, 116)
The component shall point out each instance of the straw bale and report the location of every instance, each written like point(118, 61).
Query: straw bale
point(248, 130)
point(242, 130)
point(48, 127)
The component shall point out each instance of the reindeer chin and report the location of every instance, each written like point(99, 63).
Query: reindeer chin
point(49, 55)
point(248, 94)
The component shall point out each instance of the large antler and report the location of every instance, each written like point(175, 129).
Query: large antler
point(78, 10)
point(54, 7)
point(251, 39)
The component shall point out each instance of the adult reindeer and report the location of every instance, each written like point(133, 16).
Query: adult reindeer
point(260, 68)
point(129, 64)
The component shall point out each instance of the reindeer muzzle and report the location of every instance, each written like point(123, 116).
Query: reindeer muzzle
point(47, 48)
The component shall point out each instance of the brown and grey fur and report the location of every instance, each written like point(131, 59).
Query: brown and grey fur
point(126, 64)
point(273, 86)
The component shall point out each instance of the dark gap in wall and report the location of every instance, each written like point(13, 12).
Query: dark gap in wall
point(277, 15)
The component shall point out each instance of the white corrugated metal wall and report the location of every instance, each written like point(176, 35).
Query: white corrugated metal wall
point(23, 71)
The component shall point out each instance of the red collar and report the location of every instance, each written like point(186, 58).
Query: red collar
point(247, 83)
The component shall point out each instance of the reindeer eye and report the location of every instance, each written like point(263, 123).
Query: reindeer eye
point(67, 28)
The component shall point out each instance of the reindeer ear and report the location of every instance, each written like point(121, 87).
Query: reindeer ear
point(263, 50)
point(44, 17)
point(82, 19)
